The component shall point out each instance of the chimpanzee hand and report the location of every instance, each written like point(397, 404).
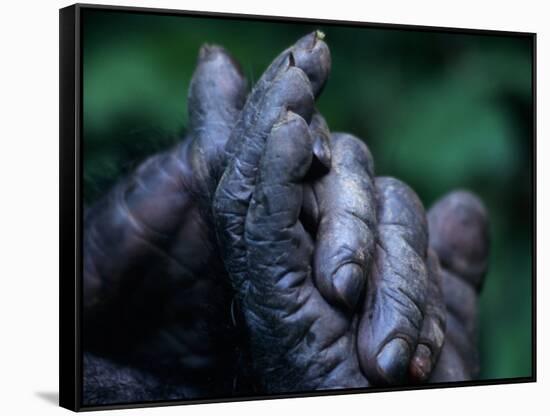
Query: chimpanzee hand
point(458, 235)
point(154, 292)
point(153, 279)
point(156, 296)
point(285, 241)
point(387, 267)
point(298, 340)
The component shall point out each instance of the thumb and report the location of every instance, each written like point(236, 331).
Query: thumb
point(216, 95)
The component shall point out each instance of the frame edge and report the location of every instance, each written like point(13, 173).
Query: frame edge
point(69, 362)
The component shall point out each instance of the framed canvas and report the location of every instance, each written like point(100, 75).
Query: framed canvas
point(256, 207)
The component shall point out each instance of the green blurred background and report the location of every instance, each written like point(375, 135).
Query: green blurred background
point(438, 110)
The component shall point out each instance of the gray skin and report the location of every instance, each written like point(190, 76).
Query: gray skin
point(317, 265)
point(459, 234)
point(156, 295)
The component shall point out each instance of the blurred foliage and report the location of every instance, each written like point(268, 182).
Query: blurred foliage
point(438, 110)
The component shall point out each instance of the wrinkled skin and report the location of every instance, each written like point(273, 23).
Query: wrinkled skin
point(321, 276)
point(156, 295)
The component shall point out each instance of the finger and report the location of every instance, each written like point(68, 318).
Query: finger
point(459, 234)
point(432, 334)
point(459, 359)
point(291, 90)
point(347, 218)
point(277, 250)
point(310, 54)
point(460, 350)
point(216, 95)
point(396, 293)
point(297, 340)
point(313, 57)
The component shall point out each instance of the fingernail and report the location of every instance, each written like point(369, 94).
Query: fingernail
point(287, 116)
point(393, 360)
point(312, 39)
point(348, 282)
point(321, 150)
point(421, 365)
point(290, 116)
point(307, 42)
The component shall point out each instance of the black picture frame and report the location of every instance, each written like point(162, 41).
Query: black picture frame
point(71, 206)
